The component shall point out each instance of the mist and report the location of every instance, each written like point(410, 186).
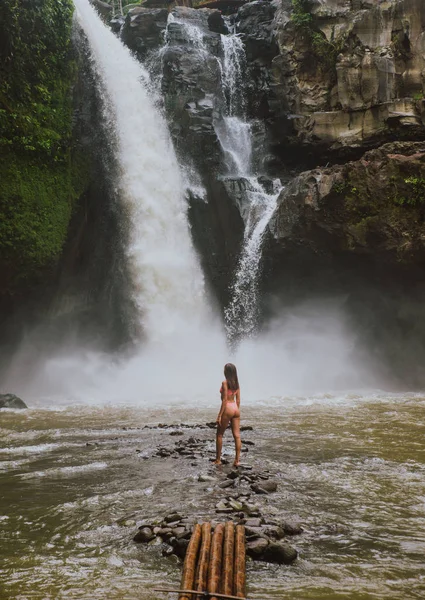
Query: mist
point(308, 350)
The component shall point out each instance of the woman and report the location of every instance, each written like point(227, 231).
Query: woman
point(229, 412)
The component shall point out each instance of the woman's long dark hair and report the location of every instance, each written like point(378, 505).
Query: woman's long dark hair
point(231, 376)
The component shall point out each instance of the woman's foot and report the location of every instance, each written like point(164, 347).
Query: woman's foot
point(236, 464)
point(217, 461)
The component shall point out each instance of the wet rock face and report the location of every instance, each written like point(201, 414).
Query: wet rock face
point(11, 401)
point(144, 29)
point(374, 206)
point(255, 23)
point(360, 81)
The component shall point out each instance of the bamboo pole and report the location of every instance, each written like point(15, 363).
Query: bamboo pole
point(189, 565)
point(214, 571)
point(228, 554)
point(240, 563)
point(204, 558)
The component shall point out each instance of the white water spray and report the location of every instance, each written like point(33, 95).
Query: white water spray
point(168, 281)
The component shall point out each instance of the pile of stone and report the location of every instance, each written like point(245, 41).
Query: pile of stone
point(265, 537)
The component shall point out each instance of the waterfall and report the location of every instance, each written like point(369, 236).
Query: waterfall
point(235, 135)
point(167, 279)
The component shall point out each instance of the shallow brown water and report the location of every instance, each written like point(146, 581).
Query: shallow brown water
point(351, 469)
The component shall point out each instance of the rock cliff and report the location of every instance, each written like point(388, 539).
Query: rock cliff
point(349, 74)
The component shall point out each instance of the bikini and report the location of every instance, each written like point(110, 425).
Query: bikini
point(231, 393)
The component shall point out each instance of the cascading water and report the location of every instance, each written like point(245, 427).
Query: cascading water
point(168, 281)
point(235, 135)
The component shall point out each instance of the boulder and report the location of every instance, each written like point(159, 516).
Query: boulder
point(143, 29)
point(256, 548)
point(264, 487)
point(11, 401)
point(290, 528)
point(280, 553)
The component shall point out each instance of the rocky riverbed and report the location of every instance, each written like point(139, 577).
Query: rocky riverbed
point(237, 489)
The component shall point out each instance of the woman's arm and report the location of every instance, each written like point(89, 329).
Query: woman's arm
point(238, 398)
point(223, 401)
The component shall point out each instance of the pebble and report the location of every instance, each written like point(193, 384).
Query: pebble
point(205, 478)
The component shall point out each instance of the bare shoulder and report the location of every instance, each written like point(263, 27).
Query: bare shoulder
point(224, 383)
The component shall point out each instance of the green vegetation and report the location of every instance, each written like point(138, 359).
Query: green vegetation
point(41, 175)
point(415, 192)
point(390, 208)
point(325, 51)
point(301, 13)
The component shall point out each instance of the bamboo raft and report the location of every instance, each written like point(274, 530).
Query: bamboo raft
point(214, 566)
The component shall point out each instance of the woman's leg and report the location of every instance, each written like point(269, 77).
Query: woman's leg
point(219, 438)
point(236, 424)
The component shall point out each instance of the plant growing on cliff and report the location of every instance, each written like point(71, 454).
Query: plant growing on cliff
point(301, 13)
point(415, 195)
point(324, 50)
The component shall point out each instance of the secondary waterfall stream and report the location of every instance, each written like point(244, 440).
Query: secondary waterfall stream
point(165, 272)
point(236, 138)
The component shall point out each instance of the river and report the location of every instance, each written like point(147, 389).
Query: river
point(75, 480)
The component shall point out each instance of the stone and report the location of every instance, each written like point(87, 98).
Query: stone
point(206, 478)
point(235, 504)
point(280, 553)
point(144, 535)
point(256, 548)
point(179, 532)
point(11, 401)
point(165, 533)
point(163, 452)
point(167, 551)
point(254, 532)
point(226, 484)
point(116, 23)
point(179, 546)
point(143, 29)
point(251, 509)
point(253, 522)
point(290, 528)
point(274, 531)
point(265, 487)
point(173, 516)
